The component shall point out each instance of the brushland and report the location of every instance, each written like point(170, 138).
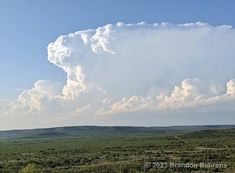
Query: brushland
point(95, 149)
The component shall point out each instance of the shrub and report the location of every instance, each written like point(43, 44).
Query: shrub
point(31, 168)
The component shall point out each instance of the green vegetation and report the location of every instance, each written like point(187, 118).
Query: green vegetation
point(121, 153)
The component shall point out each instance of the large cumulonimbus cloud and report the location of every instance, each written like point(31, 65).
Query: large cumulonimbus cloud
point(136, 68)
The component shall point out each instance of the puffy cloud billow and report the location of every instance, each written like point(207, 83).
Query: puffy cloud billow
point(135, 68)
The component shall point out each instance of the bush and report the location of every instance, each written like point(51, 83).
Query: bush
point(31, 168)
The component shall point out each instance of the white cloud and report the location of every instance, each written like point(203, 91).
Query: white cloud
point(134, 67)
point(231, 87)
point(42, 96)
point(134, 57)
point(187, 95)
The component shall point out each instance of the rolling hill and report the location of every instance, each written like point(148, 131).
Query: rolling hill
point(105, 131)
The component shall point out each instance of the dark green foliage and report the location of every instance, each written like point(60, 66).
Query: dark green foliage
point(125, 153)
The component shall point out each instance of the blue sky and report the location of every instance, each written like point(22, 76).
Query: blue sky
point(28, 26)
point(105, 76)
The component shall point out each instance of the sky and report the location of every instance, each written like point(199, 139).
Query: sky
point(126, 62)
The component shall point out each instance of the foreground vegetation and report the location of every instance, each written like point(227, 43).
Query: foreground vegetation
point(121, 153)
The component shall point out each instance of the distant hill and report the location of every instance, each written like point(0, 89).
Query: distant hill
point(212, 133)
point(105, 131)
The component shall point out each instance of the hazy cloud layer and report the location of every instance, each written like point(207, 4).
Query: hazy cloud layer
point(125, 68)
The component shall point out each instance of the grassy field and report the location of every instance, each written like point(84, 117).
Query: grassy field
point(197, 151)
